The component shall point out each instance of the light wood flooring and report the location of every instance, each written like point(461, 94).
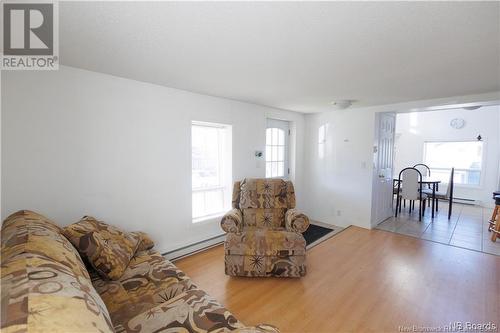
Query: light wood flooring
point(362, 281)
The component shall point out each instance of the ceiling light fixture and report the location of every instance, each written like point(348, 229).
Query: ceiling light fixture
point(342, 103)
point(475, 107)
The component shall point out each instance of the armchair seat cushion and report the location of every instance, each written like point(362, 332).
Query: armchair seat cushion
point(265, 242)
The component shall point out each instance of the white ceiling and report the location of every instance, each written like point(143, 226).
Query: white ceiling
point(291, 55)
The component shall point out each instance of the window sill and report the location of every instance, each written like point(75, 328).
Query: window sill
point(207, 218)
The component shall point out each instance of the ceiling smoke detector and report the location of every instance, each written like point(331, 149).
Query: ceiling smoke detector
point(342, 103)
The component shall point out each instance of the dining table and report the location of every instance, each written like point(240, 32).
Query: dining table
point(429, 181)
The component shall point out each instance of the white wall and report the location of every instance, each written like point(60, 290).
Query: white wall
point(413, 129)
point(339, 184)
point(76, 142)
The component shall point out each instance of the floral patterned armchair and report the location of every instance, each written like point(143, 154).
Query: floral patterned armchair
point(264, 230)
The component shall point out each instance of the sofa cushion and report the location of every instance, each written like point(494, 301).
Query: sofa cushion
point(45, 287)
point(190, 311)
point(148, 281)
point(264, 242)
point(107, 248)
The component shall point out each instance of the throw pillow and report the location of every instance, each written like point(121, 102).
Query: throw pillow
point(106, 248)
point(145, 242)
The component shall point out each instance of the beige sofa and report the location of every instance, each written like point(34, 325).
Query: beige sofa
point(46, 287)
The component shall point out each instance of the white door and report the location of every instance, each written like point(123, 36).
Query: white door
point(277, 151)
point(383, 171)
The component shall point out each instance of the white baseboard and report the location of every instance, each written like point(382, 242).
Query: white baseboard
point(194, 248)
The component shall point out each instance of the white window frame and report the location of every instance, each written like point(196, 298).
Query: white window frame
point(225, 170)
point(285, 127)
point(322, 135)
point(481, 171)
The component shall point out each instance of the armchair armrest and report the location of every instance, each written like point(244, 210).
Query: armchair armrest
point(296, 221)
point(232, 221)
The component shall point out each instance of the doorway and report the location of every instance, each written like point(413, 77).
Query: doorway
point(463, 139)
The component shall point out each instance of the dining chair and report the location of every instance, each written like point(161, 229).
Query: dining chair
point(424, 169)
point(445, 195)
point(412, 190)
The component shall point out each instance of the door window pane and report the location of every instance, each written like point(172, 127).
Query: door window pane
point(275, 152)
point(281, 154)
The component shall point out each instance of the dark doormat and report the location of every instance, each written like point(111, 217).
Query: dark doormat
point(316, 232)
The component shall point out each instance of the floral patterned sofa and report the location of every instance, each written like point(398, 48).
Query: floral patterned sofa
point(264, 230)
point(46, 287)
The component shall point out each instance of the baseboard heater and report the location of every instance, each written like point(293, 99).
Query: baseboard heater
point(466, 201)
point(191, 249)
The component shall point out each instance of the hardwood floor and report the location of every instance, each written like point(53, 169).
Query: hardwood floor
point(362, 281)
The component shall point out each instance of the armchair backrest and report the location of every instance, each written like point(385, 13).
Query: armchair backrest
point(263, 202)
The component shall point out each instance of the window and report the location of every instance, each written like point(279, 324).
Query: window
point(465, 156)
point(322, 134)
point(276, 148)
point(211, 169)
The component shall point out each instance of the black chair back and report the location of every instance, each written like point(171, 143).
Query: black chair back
point(425, 166)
